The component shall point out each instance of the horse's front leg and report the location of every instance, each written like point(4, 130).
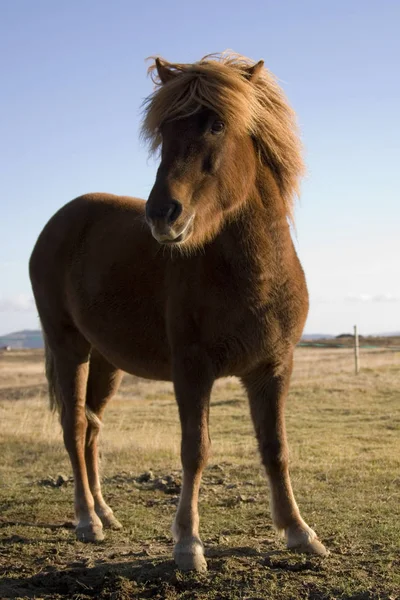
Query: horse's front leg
point(193, 380)
point(267, 388)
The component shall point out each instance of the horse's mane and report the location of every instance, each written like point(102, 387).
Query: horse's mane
point(221, 82)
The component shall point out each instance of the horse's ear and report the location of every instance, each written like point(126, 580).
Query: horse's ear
point(253, 73)
point(165, 73)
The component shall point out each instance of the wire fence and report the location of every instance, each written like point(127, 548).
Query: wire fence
point(347, 346)
point(352, 344)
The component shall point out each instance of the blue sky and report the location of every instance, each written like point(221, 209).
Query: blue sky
point(73, 78)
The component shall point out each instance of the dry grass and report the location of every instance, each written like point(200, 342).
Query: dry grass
point(345, 450)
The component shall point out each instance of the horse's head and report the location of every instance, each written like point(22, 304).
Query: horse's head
point(206, 170)
point(207, 119)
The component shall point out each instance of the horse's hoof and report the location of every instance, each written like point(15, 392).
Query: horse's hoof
point(110, 522)
point(305, 541)
point(314, 547)
point(89, 533)
point(189, 556)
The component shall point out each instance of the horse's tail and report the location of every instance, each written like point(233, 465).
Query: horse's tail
point(55, 400)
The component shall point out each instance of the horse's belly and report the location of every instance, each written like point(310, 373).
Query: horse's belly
point(150, 363)
point(132, 338)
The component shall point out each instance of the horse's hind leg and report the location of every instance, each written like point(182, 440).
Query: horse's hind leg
point(103, 383)
point(68, 353)
point(267, 389)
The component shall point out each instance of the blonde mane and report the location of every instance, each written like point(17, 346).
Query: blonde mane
point(258, 108)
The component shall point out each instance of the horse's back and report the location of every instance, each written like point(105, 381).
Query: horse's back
point(89, 208)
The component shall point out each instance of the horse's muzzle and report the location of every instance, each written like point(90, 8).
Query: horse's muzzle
point(167, 234)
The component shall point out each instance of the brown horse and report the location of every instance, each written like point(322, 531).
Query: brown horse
point(226, 295)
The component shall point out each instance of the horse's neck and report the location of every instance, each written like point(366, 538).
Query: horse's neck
point(259, 235)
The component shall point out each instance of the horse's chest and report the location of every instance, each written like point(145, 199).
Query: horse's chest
point(232, 322)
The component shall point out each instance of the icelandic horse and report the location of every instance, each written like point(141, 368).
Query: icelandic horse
point(226, 296)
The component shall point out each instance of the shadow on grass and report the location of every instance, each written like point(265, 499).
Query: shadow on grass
point(144, 577)
point(102, 581)
point(53, 526)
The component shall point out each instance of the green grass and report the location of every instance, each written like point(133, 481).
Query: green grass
point(344, 434)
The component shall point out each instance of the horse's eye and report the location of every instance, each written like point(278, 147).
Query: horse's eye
point(217, 127)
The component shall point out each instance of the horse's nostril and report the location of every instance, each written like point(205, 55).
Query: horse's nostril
point(174, 210)
point(165, 211)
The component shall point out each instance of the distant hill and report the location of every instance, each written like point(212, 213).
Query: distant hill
point(28, 338)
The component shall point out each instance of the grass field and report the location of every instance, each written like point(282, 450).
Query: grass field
point(344, 435)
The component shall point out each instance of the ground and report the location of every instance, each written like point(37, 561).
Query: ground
point(345, 457)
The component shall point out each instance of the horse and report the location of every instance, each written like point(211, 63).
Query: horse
point(200, 282)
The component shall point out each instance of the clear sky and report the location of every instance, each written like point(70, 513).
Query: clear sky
point(73, 78)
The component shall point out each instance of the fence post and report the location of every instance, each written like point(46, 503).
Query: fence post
point(356, 350)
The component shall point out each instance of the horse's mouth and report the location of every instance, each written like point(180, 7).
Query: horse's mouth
point(171, 238)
